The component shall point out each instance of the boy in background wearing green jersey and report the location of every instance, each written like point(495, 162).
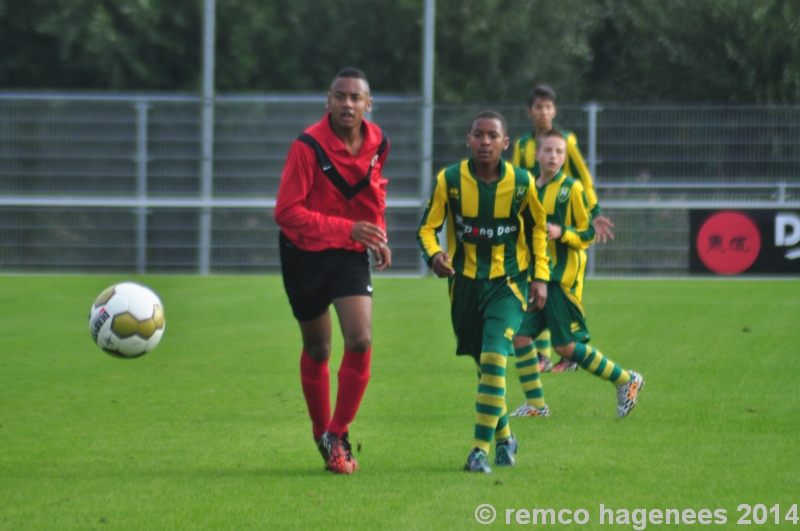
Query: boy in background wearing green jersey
point(542, 111)
point(495, 234)
point(570, 232)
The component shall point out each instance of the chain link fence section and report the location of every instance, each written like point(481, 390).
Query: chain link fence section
point(107, 183)
point(113, 183)
point(654, 163)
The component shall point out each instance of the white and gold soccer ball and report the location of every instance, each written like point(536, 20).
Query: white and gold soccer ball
point(127, 320)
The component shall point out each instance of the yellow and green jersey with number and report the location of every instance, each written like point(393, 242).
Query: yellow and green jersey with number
point(493, 230)
point(566, 205)
point(574, 166)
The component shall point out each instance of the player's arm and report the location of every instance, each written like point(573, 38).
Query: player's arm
point(516, 159)
point(380, 249)
point(582, 234)
point(430, 225)
point(535, 217)
point(578, 168)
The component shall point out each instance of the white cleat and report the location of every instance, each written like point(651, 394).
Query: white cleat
point(628, 393)
point(529, 411)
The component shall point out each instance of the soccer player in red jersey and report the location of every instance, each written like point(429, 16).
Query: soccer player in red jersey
point(330, 209)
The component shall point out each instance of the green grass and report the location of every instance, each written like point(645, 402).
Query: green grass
point(210, 430)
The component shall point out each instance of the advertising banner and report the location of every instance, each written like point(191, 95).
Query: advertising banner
point(733, 242)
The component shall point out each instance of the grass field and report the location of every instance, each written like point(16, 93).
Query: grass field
point(210, 430)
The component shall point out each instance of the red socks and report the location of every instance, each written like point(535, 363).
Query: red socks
point(353, 380)
point(316, 380)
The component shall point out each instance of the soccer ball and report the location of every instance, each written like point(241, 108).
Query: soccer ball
point(127, 320)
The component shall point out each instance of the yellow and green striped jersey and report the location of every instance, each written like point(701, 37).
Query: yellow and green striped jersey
point(566, 205)
point(574, 166)
point(493, 230)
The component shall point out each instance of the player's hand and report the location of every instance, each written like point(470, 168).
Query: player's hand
point(442, 265)
point(383, 258)
point(553, 231)
point(537, 296)
point(369, 235)
point(603, 226)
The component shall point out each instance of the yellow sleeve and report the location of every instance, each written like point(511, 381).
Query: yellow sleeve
point(576, 167)
point(516, 159)
point(581, 235)
point(540, 261)
point(433, 219)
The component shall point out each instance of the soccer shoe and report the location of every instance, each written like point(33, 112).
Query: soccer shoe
point(505, 453)
point(348, 451)
point(529, 411)
point(545, 364)
point(628, 393)
point(478, 461)
point(335, 451)
point(565, 366)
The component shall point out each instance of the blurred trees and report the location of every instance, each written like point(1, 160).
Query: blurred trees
point(100, 44)
point(496, 50)
point(648, 51)
point(709, 51)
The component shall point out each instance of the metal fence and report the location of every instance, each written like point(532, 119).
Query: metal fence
point(653, 163)
point(113, 183)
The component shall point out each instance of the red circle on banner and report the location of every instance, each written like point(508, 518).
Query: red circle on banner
point(728, 243)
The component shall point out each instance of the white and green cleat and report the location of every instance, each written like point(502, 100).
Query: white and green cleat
point(529, 411)
point(628, 393)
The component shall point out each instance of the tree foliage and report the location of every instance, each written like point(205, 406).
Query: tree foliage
point(100, 44)
point(689, 51)
point(649, 51)
point(299, 45)
point(496, 50)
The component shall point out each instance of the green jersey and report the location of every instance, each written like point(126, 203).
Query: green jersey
point(574, 166)
point(493, 230)
point(565, 203)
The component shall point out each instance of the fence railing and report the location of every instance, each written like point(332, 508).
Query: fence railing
point(102, 183)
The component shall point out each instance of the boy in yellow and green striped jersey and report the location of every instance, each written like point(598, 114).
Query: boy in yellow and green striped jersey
point(542, 111)
point(570, 232)
point(495, 235)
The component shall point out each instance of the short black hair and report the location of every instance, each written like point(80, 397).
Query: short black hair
point(352, 72)
point(552, 132)
point(542, 91)
point(493, 115)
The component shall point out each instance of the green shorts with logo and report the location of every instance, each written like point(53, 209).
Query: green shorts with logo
point(562, 315)
point(486, 314)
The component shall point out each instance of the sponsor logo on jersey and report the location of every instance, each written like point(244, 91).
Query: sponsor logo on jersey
point(374, 160)
point(563, 194)
point(465, 230)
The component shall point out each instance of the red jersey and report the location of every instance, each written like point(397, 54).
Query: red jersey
point(324, 189)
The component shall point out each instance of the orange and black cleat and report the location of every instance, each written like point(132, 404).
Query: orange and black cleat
point(336, 452)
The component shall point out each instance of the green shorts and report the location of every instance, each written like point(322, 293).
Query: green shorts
point(562, 315)
point(486, 314)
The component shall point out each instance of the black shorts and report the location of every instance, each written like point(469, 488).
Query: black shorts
point(314, 278)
